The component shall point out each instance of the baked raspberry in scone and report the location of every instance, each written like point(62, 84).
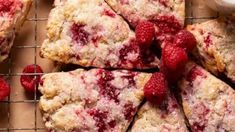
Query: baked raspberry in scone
point(94, 100)
point(91, 34)
point(164, 118)
point(167, 15)
point(216, 46)
point(208, 103)
point(12, 16)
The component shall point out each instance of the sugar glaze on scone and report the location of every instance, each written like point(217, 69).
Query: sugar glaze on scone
point(216, 46)
point(167, 15)
point(91, 34)
point(209, 103)
point(164, 118)
point(94, 100)
point(12, 16)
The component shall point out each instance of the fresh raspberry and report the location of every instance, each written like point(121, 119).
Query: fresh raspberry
point(185, 39)
point(6, 5)
point(30, 81)
point(145, 33)
point(172, 76)
point(4, 89)
point(174, 58)
point(155, 89)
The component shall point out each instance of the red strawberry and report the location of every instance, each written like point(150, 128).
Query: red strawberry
point(174, 58)
point(155, 89)
point(30, 81)
point(145, 33)
point(185, 39)
point(4, 89)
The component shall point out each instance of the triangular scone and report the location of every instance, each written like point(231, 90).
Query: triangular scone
point(164, 118)
point(168, 15)
point(12, 16)
point(94, 100)
point(209, 103)
point(216, 46)
point(89, 33)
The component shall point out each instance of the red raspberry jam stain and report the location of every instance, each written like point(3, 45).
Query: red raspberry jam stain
point(123, 53)
point(106, 88)
point(112, 123)
point(100, 117)
point(79, 34)
point(109, 13)
point(207, 40)
point(124, 2)
point(201, 111)
point(163, 2)
point(194, 73)
point(2, 41)
point(196, 127)
point(130, 78)
point(167, 25)
point(143, 58)
point(6, 5)
point(9, 6)
point(129, 111)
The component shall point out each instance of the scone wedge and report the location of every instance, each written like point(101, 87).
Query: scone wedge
point(164, 118)
point(12, 16)
point(167, 15)
point(208, 103)
point(216, 46)
point(90, 34)
point(96, 100)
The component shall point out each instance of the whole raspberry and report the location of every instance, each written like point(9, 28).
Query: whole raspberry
point(4, 89)
point(172, 76)
point(155, 89)
point(185, 39)
point(174, 58)
point(145, 33)
point(30, 81)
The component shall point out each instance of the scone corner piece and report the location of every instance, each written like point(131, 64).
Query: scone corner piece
point(93, 100)
point(91, 34)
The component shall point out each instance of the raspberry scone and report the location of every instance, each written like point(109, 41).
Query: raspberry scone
point(94, 100)
point(208, 103)
point(167, 15)
point(164, 118)
point(12, 16)
point(91, 34)
point(216, 46)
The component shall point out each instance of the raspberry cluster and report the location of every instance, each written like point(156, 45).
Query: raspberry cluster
point(173, 61)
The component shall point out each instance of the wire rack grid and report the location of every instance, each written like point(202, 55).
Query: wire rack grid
point(191, 17)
